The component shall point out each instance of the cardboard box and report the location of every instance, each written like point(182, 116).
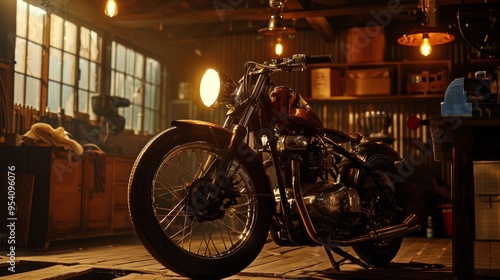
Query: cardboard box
point(365, 44)
point(325, 83)
point(368, 82)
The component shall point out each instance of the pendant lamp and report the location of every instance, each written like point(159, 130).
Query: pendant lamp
point(425, 36)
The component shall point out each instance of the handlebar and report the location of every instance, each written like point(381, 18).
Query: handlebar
point(298, 62)
point(314, 59)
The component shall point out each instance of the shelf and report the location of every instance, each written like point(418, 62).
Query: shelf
point(392, 79)
point(381, 98)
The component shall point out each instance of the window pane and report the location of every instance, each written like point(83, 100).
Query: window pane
point(55, 59)
point(21, 18)
point(70, 37)
point(68, 69)
point(19, 89)
point(129, 88)
point(56, 31)
point(138, 92)
point(20, 65)
point(34, 60)
point(148, 102)
point(147, 121)
point(83, 101)
point(32, 92)
point(36, 24)
point(95, 46)
point(152, 71)
point(54, 94)
point(155, 99)
point(136, 118)
point(129, 60)
point(120, 58)
point(93, 77)
point(119, 85)
point(84, 42)
point(114, 53)
point(68, 100)
point(139, 65)
point(92, 116)
point(84, 74)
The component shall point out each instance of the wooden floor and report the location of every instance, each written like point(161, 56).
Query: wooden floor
point(124, 258)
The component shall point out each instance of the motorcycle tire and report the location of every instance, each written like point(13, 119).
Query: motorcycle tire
point(180, 228)
point(380, 254)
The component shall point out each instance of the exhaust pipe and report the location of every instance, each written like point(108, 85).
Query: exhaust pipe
point(382, 234)
point(375, 235)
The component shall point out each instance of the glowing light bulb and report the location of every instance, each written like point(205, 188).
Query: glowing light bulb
point(279, 48)
point(111, 8)
point(425, 47)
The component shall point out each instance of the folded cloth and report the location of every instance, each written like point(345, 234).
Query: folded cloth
point(99, 159)
point(45, 133)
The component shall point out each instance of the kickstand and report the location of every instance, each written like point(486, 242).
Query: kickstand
point(346, 256)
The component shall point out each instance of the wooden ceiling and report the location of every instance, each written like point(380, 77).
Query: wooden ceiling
point(178, 21)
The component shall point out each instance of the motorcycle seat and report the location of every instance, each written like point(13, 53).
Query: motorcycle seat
point(341, 137)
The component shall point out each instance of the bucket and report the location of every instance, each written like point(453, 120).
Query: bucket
point(447, 219)
point(377, 123)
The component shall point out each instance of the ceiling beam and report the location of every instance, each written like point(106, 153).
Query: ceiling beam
point(319, 24)
point(253, 14)
point(322, 26)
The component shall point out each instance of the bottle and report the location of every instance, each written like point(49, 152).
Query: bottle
point(430, 231)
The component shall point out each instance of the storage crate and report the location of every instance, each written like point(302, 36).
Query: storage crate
point(487, 199)
point(368, 82)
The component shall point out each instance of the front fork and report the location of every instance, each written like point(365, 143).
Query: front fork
point(240, 130)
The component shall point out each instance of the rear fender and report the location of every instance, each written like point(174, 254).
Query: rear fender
point(364, 151)
point(367, 149)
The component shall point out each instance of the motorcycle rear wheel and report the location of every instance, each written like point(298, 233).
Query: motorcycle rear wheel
point(183, 230)
point(381, 213)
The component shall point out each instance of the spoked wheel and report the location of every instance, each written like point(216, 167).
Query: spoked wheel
point(380, 211)
point(479, 24)
point(192, 226)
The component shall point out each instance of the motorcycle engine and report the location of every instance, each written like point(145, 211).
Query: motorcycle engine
point(332, 207)
point(334, 201)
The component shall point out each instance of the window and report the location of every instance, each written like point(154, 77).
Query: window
point(136, 77)
point(89, 65)
point(73, 70)
point(62, 65)
point(30, 25)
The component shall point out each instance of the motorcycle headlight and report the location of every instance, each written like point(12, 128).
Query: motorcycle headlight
point(217, 87)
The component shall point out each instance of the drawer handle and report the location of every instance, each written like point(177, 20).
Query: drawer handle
point(489, 198)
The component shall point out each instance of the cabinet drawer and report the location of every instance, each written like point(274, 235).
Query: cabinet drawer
point(121, 220)
point(122, 168)
point(120, 195)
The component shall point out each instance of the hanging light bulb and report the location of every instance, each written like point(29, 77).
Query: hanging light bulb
point(425, 47)
point(278, 49)
point(425, 35)
point(111, 8)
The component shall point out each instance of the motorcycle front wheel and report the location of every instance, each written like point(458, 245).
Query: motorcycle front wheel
point(181, 218)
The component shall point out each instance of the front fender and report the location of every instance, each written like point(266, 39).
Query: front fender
point(223, 137)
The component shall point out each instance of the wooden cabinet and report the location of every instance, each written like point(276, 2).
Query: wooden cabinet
point(62, 197)
point(83, 204)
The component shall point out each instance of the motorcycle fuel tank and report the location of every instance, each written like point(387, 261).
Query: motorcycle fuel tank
point(291, 105)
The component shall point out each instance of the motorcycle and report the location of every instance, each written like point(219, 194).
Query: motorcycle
point(204, 198)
